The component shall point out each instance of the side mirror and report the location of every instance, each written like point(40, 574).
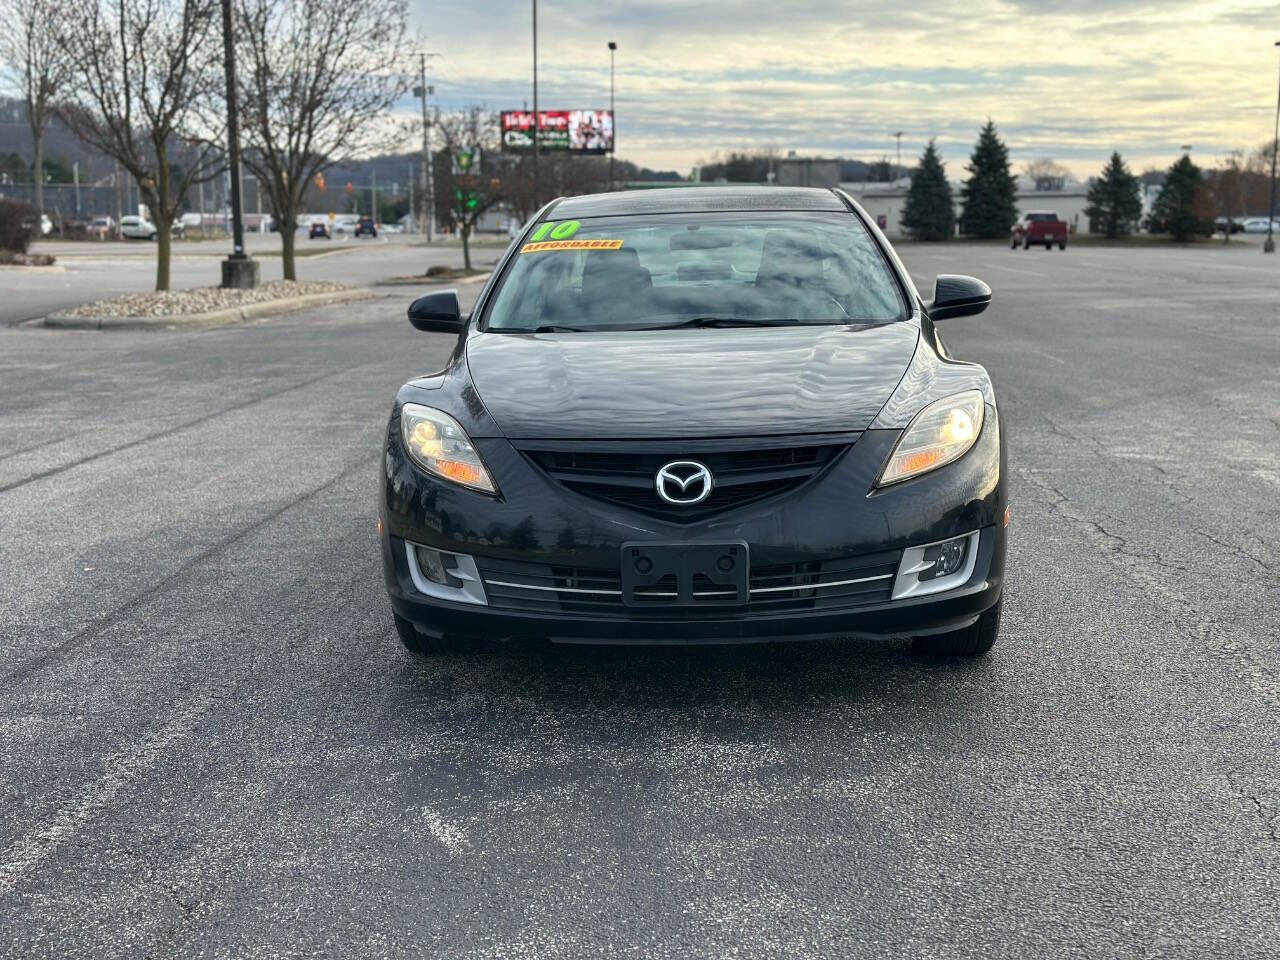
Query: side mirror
point(439, 312)
point(957, 296)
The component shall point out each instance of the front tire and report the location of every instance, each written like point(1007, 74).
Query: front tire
point(973, 641)
point(427, 645)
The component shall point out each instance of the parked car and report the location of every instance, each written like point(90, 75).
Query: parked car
point(1039, 226)
point(710, 416)
point(319, 231)
point(1221, 224)
point(365, 227)
point(140, 228)
point(1259, 225)
point(102, 226)
point(137, 228)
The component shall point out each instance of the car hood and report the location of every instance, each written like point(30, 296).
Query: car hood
point(689, 383)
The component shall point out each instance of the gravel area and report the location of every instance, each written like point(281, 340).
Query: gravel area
point(199, 299)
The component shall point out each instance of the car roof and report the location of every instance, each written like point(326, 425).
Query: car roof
point(697, 200)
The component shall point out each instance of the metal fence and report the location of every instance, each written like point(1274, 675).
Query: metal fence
point(68, 202)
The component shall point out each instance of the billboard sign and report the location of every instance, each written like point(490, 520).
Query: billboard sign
point(560, 131)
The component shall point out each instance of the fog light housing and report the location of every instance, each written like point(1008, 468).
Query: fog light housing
point(935, 567)
point(432, 564)
point(946, 558)
point(445, 576)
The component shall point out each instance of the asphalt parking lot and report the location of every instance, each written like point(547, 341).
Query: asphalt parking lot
point(215, 746)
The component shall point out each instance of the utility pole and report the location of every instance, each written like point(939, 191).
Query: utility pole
point(413, 210)
point(898, 170)
point(238, 270)
point(537, 118)
point(428, 175)
point(373, 193)
point(613, 117)
point(1270, 245)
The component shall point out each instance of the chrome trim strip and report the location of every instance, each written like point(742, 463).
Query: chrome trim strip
point(702, 593)
point(529, 586)
point(822, 586)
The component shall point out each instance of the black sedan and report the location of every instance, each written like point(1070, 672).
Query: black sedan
point(697, 416)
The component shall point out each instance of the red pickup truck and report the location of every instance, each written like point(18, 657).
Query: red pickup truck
point(1039, 226)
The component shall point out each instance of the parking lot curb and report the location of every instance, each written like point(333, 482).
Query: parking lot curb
point(210, 318)
point(429, 282)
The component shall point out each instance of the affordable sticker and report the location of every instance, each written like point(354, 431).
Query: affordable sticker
point(601, 244)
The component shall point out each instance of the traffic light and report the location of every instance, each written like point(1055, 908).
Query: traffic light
point(465, 200)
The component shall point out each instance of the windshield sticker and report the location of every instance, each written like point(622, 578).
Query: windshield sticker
point(601, 244)
point(558, 231)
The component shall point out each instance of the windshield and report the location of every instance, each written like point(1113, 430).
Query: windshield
point(645, 272)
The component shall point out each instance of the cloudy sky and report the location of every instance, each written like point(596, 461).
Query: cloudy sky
point(1067, 79)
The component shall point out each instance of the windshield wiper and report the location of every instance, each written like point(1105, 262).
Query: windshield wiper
point(555, 328)
point(739, 322)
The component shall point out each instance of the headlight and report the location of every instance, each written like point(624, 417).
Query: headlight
point(438, 444)
point(940, 433)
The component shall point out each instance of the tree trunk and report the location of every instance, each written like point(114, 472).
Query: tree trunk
point(163, 247)
point(39, 177)
point(464, 229)
point(162, 218)
point(288, 240)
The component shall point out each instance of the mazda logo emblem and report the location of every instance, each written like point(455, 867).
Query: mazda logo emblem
point(683, 482)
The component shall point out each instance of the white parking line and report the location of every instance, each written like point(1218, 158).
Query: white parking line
point(122, 768)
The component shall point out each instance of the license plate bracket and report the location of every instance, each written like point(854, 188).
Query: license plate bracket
point(685, 574)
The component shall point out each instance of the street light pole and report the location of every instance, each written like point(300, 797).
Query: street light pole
point(1270, 245)
point(428, 174)
point(537, 119)
point(898, 170)
point(613, 116)
point(238, 270)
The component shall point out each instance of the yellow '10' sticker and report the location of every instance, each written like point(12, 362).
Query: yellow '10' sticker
point(601, 244)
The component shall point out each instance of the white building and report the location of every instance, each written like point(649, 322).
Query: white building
point(884, 201)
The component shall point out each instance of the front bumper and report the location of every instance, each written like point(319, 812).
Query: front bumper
point(935, 613)
point(837, 517)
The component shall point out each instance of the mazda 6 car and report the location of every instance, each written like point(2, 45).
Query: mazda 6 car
point(707, 415)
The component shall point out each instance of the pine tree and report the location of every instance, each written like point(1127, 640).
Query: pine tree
point(929, 213)
point(1180, 209)
point(988, 194)
point(1115, 203)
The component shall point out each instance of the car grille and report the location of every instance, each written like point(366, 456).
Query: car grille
point(626, 478)
point(847, 582)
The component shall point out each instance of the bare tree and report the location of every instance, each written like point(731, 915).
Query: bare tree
point(36, 61)
point(143, 92)
point(1047, 173)
point(471, 192)
point(316, 80)
point(1257, 180)
point(1226, 190)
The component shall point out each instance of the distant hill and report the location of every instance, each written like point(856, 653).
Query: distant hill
point(61, 145)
